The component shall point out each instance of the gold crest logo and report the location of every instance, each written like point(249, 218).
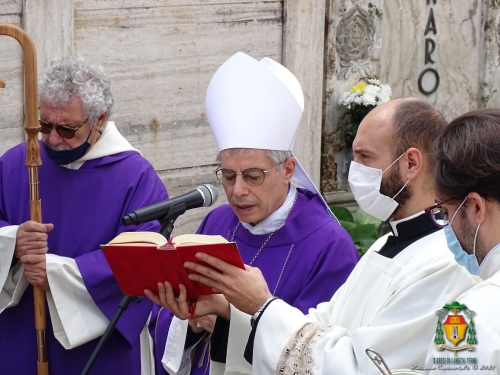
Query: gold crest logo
point(455, 327)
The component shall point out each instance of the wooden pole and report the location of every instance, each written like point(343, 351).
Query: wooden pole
point(33, 161)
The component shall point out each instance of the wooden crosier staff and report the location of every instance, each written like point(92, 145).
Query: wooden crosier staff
point(33, 160)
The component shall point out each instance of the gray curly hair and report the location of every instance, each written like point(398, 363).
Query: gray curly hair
point(73, 76)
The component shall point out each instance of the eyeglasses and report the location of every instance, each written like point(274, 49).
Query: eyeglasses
point(438, 214)
point(252, 176)
point(64, 131)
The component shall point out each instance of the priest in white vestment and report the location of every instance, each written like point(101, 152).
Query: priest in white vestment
point(468, 185)
point(388, 303)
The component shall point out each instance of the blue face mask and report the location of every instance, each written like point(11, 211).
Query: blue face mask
point(68, 156)
point(469, 261)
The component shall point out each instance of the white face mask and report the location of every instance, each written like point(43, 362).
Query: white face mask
point(365, 186)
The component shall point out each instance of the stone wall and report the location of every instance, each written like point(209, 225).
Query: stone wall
point(160, 56)
point(11, 97)
point(388, 39)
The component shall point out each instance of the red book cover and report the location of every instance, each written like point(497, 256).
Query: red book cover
point(228, 252)
point(140, 261)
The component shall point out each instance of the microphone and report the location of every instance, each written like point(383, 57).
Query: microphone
point(203, 196)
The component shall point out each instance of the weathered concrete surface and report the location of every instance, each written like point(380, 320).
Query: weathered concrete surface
point(458, 54)
point(160, 56)
point(352, 51)
point(11, 68)
point(303, 48)
point(386, 38)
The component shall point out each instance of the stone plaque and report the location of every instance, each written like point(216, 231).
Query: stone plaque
point(354, 36)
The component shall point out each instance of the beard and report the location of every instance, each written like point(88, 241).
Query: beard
point(466, 239)
point(61, 147)
point(392, 185)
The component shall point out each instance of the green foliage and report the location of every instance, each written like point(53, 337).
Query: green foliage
point(363, 228)
point(356, 114)
point(454, 306)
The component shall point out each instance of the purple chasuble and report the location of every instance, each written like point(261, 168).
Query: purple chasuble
point(86, 207)
point(322, 258)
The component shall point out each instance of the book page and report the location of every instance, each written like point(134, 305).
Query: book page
point(139, 237)
point(190, 239)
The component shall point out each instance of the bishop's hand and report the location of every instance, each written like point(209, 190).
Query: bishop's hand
point(246, 290)
point(206, 322)
point(179, 306)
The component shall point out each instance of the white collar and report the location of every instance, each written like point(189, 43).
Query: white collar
point(490, 264)
point(275, 220)
point(394, 223)
point(110, 142)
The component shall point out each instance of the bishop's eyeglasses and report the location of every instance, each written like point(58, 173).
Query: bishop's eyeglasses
point(252, 176)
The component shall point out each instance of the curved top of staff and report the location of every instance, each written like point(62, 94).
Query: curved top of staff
point(30, 88)
point(33, 160)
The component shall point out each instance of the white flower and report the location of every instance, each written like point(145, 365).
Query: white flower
point(369, 99)
point(372, 94)
point(384, 99)
point(372, 90)
point(385, 90)
point(344, 98)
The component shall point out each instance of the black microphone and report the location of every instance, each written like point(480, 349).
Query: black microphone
point(203, 196)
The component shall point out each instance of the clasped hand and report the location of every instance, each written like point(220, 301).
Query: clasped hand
point(31, 247)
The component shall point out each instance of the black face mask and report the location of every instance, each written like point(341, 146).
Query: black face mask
point(68, 156)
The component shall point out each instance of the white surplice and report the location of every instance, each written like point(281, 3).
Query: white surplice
point(484, 300)
point(386, 304)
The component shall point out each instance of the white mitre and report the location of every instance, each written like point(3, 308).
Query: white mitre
point(256, 104)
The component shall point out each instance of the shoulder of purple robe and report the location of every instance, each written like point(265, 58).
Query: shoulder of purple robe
point(109, 159)
point(97, 275)
point(11, 157)
point(333, 256)
point(217, 219)
point(327, 248)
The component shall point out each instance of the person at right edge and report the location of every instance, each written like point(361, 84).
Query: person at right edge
point(389, 301)
point(467, 181)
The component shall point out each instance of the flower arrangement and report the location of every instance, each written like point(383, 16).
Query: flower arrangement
point(361, 99)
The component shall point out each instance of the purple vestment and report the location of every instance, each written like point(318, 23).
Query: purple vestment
point(86, 207)
point(322, 258)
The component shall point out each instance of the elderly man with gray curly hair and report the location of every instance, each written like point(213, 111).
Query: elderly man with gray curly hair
point(90, 178)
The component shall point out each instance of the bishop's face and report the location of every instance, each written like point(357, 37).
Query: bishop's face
point(252, 204)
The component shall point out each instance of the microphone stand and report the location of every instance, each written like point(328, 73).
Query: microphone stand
point(122, 306)
point(167, 226)
point(167, 223)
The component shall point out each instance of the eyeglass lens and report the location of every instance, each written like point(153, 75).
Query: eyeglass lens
point(63, 131)
point(440, 216)
point(252, 176)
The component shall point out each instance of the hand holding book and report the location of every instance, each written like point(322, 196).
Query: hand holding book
point(140, 260)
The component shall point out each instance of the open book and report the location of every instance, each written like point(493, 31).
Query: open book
point(139, 260)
